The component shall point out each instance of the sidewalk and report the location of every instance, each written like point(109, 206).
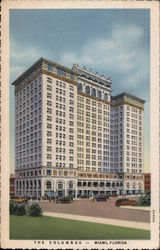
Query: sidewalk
point(121, 223)
point(137, 208)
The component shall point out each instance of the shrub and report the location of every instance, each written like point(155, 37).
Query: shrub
point(20, 209)
point(12, 207)
point(145, 200)
point(34, 210)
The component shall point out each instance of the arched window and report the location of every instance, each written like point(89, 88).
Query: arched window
point(79, 87)
point(60, 185)
point(71, 184)
point(105, 96)
point(93, 92)
point(99, 94)
point(87, 90)
point(48, 184)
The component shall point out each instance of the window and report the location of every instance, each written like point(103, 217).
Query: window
point(61, 72)
point(71, 77)
point(71, 95)
point(99, 95)
point(49, 103)
point(105, 96)
point(60, 185)
point(93, 92)
point(49, 79)
point(79, 87)
point(87, 90)
point(48, 185)
point(71, 184)
point(49, 67)
point(48, 172)
point(49, 88)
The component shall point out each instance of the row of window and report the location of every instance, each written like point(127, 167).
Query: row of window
point(93, 92)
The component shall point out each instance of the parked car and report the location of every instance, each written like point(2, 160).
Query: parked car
point(128, 203)
point(84, 196)
point(101, 197)
point(124, 202)
point(66, 199)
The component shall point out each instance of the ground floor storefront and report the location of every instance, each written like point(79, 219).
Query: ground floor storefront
point(76, 188)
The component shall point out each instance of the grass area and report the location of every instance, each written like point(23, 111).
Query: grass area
point(45, 228)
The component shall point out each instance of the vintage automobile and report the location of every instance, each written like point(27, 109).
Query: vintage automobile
point(101, 197)
point(66, 199)
point(124, 202)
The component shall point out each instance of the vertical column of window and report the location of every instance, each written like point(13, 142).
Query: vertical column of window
point(140, 142)
point(111, 138)
point(80, 133)
point(62, 108)
point(100, 132)
point(39, 110)
point(87, 129)
point(94, 123)
point(30, 132)
point(24, 127)
point(71, 126)
point(129, 144)
point(121, 138)
point(60, 124)
point(27, 126)
point(20, 130)
point(49, 122)
point(17, 130)
point(57, 123)
point(133, 150)
point(105, 138)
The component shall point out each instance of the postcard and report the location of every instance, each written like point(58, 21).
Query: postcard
point(80, 124)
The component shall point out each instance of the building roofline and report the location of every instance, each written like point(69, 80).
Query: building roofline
point(84, 73)
point(128, 95)
point(36, 65)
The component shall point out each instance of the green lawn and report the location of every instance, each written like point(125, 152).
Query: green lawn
point(44, 228)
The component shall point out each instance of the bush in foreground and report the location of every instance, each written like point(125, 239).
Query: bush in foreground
point(20, 209)
point(12, 208)
point(17, 209)
point(34, 210)
point(145, 200)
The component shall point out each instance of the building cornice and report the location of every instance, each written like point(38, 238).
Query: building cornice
point(38, 63)
point(40, 72)
point(124, 94)
point(61, 78)
point(93, 98)
point(116, 105)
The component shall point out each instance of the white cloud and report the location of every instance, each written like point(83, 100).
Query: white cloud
point(121, 54)
point(21, 58)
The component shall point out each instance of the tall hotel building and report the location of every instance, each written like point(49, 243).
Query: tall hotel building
point(73, 137)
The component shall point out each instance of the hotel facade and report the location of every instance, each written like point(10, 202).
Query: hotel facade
point(73, 137)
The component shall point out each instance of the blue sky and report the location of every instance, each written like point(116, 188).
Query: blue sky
point(113, 42)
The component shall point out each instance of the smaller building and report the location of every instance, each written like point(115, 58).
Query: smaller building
point(147, 182)
point(11, 182)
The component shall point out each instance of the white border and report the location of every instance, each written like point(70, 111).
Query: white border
point(34, 4)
